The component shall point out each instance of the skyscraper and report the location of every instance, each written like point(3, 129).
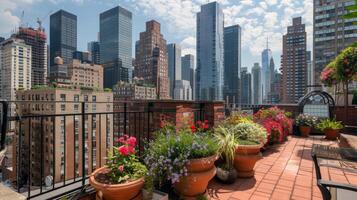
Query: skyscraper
point(310, 72)
point(246, 83)
point(293, 62)
point(36, 38)
point(63, 35)
point(232, 63)
point(266, 59)
point(151, 59)
point(174, 65)
point(116, 45)
point(94, 50)
point(15, 67)
point(188, 71)
point(332, 33)
point(257, 84)
point(210, 53)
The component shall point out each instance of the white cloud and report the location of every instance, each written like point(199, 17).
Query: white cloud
point(8, 21)
point(271, 19)
point(188, 45)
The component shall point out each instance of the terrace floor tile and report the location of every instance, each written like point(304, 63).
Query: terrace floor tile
point(285, 172)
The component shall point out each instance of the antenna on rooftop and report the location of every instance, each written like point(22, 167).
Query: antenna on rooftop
point(22, 18)
point(39, 21)
point(267, 42)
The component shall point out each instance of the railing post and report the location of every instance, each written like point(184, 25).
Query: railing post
point(4, 121)
point(83, 145)
point(125, 113)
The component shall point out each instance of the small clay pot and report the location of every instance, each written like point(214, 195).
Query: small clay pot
point(305, 131)
point(331, 134)
point(227, 176)
point(124, 191)
point(245, 158)
point(199, 173)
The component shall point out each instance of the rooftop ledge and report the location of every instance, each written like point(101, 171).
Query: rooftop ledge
point(7, 193)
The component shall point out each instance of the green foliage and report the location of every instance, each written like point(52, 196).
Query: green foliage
point(249, 133)
point(227, 144)
point(329, 124)
point(346, 64)
point(305, 120)
point(107, 90)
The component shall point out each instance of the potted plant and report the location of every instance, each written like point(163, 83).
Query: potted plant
point(123, 176)
point(184, 157)
point(250, 138)
point(331, 128)
point(227, 143)
point(305, 123)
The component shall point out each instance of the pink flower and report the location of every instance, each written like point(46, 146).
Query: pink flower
point(121, 140)
point(123, 150)
point(121, 168)
point(131, 141)
point(131, 149)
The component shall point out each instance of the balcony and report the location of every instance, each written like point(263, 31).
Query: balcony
point(285, 172)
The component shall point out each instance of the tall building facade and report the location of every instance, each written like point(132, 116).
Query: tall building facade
point(115, 40)
point(15, 67)
point(256, 84)
point(151, 59)
point(63, 35)
point(332, 33)
point(94, 49)
point(210, 53)
point(266, 59)
point(182, 90)
point(60, 142)
point(36, 38)
point(232, 63)
point(310, 72)
point(246, 83)
point(188, 71)
point(293, 62)
point(174, 65)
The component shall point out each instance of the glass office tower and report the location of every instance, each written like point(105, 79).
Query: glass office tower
point(116, 45)
point(63, 35)
point(232, 63)
point(209, 74)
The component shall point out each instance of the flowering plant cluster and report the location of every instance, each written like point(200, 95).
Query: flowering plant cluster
point(237, 118)
point(248, 133)
point(305, 120)
point(172, 149)
point(276, 122)
point(123, 164)
point(200, 126)
point(346, 64)
point(328, 75)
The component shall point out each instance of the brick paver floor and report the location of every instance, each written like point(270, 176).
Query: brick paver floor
point(285, 172)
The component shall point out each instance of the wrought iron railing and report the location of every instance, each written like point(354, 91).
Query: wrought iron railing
point(54, 146)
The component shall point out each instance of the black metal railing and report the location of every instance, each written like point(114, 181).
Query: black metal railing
point(54, 146)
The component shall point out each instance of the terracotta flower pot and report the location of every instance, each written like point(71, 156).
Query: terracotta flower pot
point(245, 158)
point(331, 134)
point(305, 131)
point(199, 173)
point(124, 191)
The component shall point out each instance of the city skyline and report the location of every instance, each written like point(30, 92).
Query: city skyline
point(178, 26)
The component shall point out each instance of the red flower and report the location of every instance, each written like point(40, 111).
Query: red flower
point(121, 140)
point(205, 126)
point(199, 122)
point(206, 121)
point(131, 149)
point(121, 168)
point(193, 128)
point(131, 141)
point(123, 150)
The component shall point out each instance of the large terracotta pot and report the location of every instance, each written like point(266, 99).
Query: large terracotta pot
point(124, 191)
point(331, 134)
point(199, 173)
point(305, 131)
point(245, 158)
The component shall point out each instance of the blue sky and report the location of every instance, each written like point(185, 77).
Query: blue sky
point(258, 19)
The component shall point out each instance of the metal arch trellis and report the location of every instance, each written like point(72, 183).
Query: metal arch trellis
point(325, 97)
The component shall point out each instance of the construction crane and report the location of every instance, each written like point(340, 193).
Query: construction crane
point(39, 21)
point(22, 18)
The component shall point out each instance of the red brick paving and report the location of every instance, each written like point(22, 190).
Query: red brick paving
point(285, 172)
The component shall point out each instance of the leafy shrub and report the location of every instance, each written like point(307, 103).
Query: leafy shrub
point(249, 133)
point(305, 120)
point(329, 124)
